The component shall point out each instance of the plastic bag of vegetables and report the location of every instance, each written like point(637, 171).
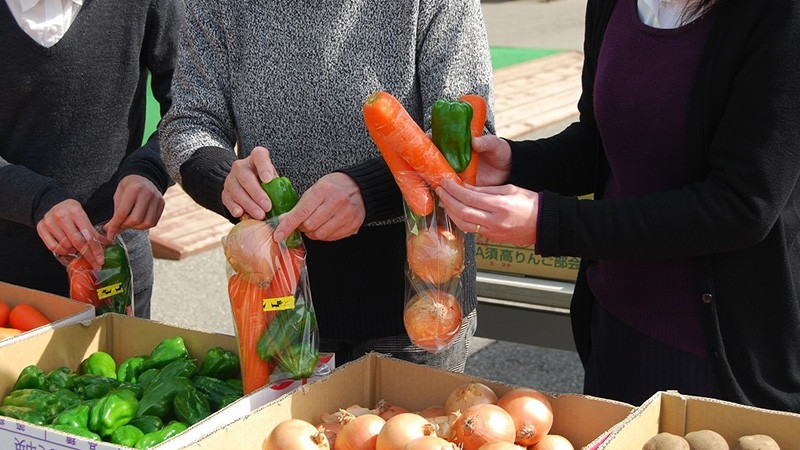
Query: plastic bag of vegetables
point(434, 245)
point(270, 297)
point(109, 288)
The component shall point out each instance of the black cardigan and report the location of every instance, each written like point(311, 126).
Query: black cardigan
point(739, 217)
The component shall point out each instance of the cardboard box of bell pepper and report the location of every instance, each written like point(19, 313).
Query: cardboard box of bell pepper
point(375, 377)
point(679, 415)
point(80, 347)
point(59, 311)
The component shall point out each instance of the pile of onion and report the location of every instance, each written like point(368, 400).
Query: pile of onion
point(295, 434)
point(436, 254)
point(251, 252)
point(432, 319)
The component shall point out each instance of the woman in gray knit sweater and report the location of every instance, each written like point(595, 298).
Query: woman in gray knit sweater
point(285, 81)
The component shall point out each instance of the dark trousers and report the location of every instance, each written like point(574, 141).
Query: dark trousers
point(628, 366)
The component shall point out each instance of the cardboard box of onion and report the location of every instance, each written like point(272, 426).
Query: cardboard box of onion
point(386, 385)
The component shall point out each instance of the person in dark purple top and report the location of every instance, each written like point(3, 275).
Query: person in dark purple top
point(689, 140)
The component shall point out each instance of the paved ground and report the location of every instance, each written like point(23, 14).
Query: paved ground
point(192, 292)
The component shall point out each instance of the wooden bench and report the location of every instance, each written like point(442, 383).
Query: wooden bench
point(529, 97)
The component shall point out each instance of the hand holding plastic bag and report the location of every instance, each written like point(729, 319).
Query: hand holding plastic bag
point(270, 297)
point(109, 288)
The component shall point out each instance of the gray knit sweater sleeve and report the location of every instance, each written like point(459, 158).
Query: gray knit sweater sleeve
point(201, 111)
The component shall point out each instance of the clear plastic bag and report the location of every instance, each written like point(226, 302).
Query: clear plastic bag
point(270, 298)
point(109, 289)
point(435, 260)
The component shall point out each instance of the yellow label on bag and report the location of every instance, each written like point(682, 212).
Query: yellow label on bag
point(110, 291)
point(278, 303)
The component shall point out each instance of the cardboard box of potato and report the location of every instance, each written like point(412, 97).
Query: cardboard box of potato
point(679, 414)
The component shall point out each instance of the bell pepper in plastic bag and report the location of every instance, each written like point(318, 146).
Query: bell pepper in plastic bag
point(450, 131)
point(268, 280)
point(109, 289)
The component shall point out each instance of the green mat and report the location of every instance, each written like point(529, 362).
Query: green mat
point(501, 57)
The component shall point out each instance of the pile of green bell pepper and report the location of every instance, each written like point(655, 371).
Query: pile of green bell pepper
point(141, 403)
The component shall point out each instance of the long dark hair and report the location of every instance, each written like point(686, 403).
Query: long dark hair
point(697, 8)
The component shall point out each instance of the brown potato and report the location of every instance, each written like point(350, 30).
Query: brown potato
point(666, 441)
point(706, 440)
point(756, 442)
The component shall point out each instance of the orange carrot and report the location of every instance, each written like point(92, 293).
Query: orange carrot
point(478, 113)
point(251, 322)
point(26, 317)
point(393, 130)
point(415, 192)
point(4, 310)
point(8, 332)
point(470, 174)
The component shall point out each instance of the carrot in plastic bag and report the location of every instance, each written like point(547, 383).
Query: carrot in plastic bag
point(470, 174)
point(251, 321)
point(393, 130)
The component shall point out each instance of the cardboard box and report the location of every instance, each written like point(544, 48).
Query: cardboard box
point(493, 257)
point(122, 337)
point(680, 414)
point(59, 310)
point(374, 377)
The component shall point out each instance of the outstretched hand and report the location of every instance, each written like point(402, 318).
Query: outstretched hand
point(494, 162)
point(507, 213)
point(242, 192)
point(66, 230)
point(138, 204)
point(329, 210)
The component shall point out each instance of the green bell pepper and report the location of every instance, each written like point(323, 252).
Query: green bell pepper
point(130, 369)
point(99, 363)
point(450, 131)
point(220, 363)
point(227, 400)
point(78, 431)
point(31, 377)
point(283, 197)
point(179, 368)
point(38, 400)
point(112, 411)
point(61, 378)
point(165, 352)
point(126, 435)
point(23, 413)
point(77, 416)
point(147, 377)
point(299, 360)
point(191, 406)
point(94, 386)
point(215, 390)
point(147, 424)
point(158, 397)
point(236, 383)
point(289, 327)
point(115, 278)
point(150, 440)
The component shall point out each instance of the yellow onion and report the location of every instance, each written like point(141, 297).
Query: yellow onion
point(251, 252)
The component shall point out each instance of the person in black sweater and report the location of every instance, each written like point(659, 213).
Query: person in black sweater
point(72, 121)
point(689, 139)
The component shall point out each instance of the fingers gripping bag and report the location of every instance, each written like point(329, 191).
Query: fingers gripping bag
point(108, 282)
point(434, 245)
point(270, 296)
